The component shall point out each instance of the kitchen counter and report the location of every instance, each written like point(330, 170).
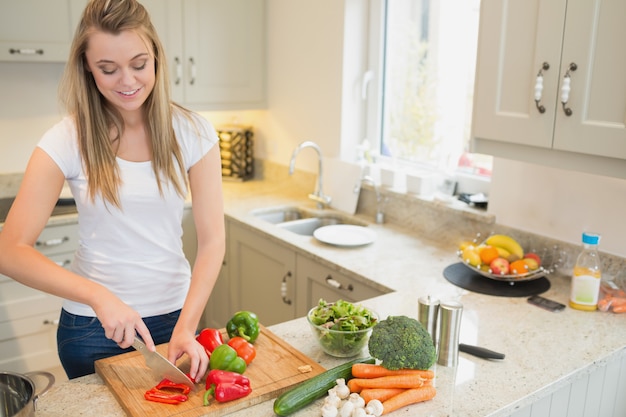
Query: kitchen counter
point(544, 351)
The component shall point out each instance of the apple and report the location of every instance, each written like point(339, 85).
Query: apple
point(537, 258)
point(499, 266)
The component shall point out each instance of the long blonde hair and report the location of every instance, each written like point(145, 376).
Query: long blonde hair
point(95, 117)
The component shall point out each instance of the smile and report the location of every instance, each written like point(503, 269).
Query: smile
point(129, 93)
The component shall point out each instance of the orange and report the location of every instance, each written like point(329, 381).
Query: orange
point(488, 254)
point(518, 267)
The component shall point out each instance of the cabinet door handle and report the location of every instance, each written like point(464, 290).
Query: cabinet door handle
point(565, 88)
point(283, 288)
point(539, 87)
point(65, 263)
point(192, 71)
point(178, 70)
point(52, 242)
point(338, 285)
point(25, 51)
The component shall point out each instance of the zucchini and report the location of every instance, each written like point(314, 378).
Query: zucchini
point(310, 390)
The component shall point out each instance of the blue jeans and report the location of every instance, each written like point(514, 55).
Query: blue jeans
point(81, 340)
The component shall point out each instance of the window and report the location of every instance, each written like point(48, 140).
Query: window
point(426, 61)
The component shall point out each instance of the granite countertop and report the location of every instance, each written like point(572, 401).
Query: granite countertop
point(544, 351)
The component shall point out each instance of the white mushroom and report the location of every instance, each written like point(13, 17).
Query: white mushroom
point(375, 408)
point(359, 412)
point(332, 399)
point(329, 411)
point(346, 409)
point(358, 401)
point(342, 389)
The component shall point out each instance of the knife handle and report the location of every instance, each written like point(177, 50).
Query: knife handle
point(481, 352)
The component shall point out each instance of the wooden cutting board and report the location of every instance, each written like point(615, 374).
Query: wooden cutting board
point(276, 368)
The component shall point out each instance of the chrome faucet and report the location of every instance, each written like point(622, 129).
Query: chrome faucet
point(318, 195)
point(380, 201)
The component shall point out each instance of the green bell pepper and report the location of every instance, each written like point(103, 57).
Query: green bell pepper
point(244, 324)
point(225, 358)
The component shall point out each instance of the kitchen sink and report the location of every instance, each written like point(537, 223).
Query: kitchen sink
point(303, 221)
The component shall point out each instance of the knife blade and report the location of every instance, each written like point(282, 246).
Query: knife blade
point(480, 352)
point(160, 366)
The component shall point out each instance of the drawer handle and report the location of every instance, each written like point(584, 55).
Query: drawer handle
point(51, 322)
point(52, 242)
point(283, 288)
point(64, 263)
point(539, 87)
point(26, 51)
point(338, 285)
point(565, 88)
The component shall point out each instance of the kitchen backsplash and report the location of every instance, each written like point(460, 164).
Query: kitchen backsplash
point(451, 221)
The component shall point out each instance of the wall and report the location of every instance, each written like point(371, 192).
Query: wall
point(305, 63)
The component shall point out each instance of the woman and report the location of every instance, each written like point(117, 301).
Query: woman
point(129, 156)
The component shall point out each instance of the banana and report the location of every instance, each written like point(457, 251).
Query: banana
point(507, 243)
point(502, 253)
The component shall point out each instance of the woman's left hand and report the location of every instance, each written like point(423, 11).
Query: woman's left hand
point(183, 342)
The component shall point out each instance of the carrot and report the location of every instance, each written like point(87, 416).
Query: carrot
point(367, 370)
point(393, 381)
point(353, 385)
point(408, 397)
point(380, 394)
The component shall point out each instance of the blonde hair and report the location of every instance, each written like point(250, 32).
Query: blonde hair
point(95, 117)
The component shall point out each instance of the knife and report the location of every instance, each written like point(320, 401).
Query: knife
point(161, 367)
point(481, 352)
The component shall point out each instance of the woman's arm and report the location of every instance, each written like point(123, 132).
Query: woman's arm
point(205, 181)
point(37, 196)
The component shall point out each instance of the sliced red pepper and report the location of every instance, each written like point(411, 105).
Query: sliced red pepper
point(217, 376)
point(226, 391)
point(158, 396)
point(166, 384)
point(210, 339)
point(245, 350)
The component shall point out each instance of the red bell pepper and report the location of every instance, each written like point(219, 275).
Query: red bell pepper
point(226, 391)
point(158, 396)
point(166, 384)
point(226, 386)
point(210, 339)
point(245, 350)
point(217, 376)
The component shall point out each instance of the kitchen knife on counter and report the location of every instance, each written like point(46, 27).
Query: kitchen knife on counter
point(481, 352)
point(160, 366)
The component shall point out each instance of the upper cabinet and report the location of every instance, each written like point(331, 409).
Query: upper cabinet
point(551, 85)
point(37, 30)
point(215, 50)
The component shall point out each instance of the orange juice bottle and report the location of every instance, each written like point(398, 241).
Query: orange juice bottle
point(587, 275)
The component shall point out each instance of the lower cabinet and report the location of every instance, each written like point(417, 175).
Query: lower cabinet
point(316, 281)
point(277, 283)
point(218, 310)
point(262, 275)
point(28, 317)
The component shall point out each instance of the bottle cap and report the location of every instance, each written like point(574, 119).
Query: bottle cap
point(591, 238)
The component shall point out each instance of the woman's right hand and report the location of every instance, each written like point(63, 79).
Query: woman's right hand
point(121, 323)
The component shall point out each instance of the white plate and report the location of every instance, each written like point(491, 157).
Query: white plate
point(345, 235)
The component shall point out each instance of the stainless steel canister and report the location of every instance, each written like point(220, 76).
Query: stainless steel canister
point(450, 313)
point(427, 311)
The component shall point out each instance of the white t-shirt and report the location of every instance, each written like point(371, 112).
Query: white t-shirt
point(135, 251)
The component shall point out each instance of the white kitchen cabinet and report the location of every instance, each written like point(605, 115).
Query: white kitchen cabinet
point(317, 281)
point(37, 30)
point(262, 275)
point(218, 310)
point(28, 317)
point(588, 132)
point(215, 49)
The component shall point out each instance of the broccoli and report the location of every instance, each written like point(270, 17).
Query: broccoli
point(401, 342)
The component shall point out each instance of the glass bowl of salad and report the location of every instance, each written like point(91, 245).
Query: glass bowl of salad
point(342, 329)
